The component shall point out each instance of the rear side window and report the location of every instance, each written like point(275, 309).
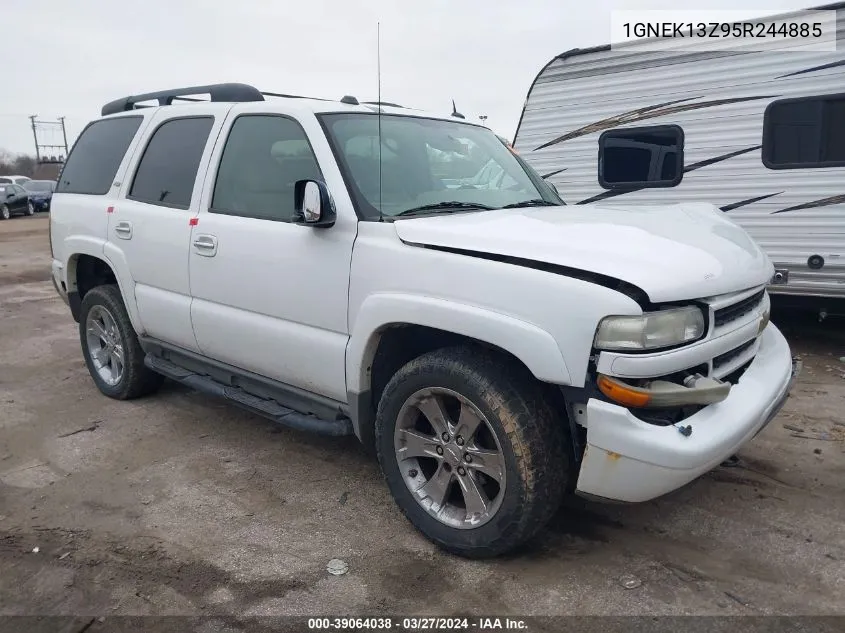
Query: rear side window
point(168, 168)
point(96, 155)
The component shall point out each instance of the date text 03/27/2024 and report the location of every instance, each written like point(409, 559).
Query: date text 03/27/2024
point(418, 624)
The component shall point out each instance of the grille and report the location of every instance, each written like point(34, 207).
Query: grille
point(727, 357)
point(737, 310)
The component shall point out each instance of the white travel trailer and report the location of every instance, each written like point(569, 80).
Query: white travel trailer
point(759, 133)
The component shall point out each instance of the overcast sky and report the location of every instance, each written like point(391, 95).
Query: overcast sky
point(69, 57)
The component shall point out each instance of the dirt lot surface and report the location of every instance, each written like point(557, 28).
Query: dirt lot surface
point(179, 504)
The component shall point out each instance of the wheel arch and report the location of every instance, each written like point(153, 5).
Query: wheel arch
point(87, 268)
point(390, 330)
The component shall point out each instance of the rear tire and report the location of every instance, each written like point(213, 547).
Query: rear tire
point(5, 214)
point(110, 346)
point(523, 440)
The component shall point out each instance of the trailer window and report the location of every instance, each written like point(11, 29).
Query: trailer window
point(804, 133)
point(641, 157)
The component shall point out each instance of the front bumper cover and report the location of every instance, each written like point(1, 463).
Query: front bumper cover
point(629, 460)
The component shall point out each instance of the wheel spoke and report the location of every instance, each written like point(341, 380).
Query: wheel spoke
point(432, 408)
point(416, 444)
point(475, 500)
point(491, 463)
point(468, 422)
point(116, 362)
point(100, 355)
point(95, 328)
point(437, 487)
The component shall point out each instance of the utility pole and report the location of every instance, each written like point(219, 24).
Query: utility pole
point(35, 136)
point(483, 118)
point(64, 134)
point(53, 150)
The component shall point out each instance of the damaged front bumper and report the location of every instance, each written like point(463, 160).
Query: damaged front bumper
point(629, 460)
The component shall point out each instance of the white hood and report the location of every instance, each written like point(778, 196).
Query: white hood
point(672, 252)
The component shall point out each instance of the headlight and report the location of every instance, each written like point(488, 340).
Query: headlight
point(652, 330)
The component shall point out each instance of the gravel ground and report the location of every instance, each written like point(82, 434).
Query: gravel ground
point(179, 504)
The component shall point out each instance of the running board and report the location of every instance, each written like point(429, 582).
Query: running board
point(264, 407)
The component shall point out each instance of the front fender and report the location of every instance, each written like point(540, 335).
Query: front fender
point(535, 347)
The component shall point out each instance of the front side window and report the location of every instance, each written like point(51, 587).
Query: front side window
point(264, 157)
point(805, 132)
point(424, 162)
point(168, 168)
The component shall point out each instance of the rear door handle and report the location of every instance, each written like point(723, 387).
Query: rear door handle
point(205, 245)
point(123, 230)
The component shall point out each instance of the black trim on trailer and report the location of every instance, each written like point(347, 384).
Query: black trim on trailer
point(747, 201)
point(814, 204)
point(553, 173)
point(703, 163)
point(814, 69)
point(648, 112)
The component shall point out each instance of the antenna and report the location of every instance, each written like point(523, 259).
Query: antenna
point(455, 112)
point(378, 71)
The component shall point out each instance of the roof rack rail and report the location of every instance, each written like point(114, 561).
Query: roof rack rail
point(384, 103)
point(286, 96)
point(232, 92)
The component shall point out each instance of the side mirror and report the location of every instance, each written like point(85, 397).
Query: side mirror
point(313, 206)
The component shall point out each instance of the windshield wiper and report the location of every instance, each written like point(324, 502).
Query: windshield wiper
point(535, 202)
point(437, 206)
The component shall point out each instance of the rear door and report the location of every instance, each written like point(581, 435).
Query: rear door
point(21, 198)
point(149, 227)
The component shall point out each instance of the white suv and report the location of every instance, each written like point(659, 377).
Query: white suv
point(306, 259)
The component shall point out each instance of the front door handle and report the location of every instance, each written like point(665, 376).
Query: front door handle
point(205, 245)
point(123, 230)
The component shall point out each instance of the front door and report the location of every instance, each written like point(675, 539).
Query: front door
point(149, 227)
point(269, 296)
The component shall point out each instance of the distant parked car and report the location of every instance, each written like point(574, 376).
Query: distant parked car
point(14, 199)
point(40, 193)
point(14, 180)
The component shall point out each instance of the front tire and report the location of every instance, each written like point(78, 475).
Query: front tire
point(5, 214)
point(110, 346)
point(472, 453)
point(30, 208)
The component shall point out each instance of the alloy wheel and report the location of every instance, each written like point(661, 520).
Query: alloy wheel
point(105, 345)
point(450, 458)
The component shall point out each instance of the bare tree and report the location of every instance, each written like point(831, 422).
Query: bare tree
point(17, 164)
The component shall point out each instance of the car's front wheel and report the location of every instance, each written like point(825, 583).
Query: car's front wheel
point(110, 346)
point(30, 208)
point(5, 214)
point(471, 451)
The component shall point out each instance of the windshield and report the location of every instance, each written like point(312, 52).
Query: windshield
point(428, 162)
point(38, 185)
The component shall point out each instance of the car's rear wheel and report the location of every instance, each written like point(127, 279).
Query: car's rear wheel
point(5, 214)
point(471, 451)
point(110, 346)
point(30, 208)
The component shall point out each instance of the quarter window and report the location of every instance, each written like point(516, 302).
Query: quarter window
point(168, 168)
point(92, 164)
point(804, 133)
point(264, 157)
